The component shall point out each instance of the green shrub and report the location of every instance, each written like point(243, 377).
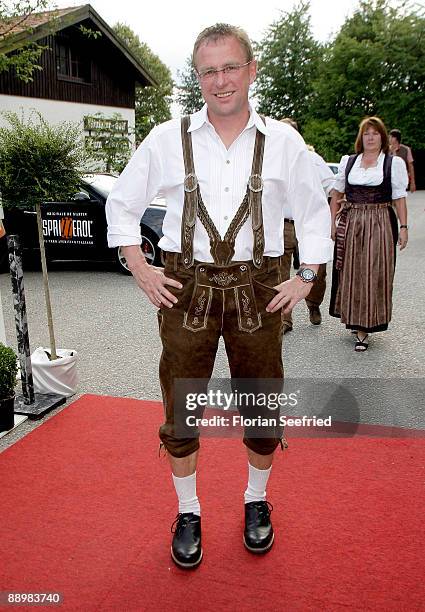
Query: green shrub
point(39, 162)
point(8, 371)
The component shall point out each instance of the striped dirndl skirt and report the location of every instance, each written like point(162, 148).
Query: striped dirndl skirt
point(364, 264)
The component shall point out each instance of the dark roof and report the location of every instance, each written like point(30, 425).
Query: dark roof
point(26, 29)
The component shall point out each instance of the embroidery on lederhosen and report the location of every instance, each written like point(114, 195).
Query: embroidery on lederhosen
point(209, 278)
point(196, 316)
point(249, 319)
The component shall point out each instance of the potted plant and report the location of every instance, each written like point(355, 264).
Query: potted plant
point(40, 162)
point(8, 380)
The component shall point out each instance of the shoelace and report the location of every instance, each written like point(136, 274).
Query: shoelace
point(180, 522)
point(264, 509)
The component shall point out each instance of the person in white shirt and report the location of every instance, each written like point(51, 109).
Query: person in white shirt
point(222, 243)
point(317, 293)
point(365, 226)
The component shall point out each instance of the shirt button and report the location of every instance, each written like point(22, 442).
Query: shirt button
point(227, 161)
point(226, 189)
point(225, 218)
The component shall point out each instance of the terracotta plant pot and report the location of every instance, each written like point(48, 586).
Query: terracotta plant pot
point(7, 417)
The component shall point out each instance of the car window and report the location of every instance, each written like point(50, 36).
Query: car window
point(80, 195)
point(100, 183)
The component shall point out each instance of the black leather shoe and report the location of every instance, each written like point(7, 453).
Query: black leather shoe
point(258, 536)
point(287, 327)
point(315, 315)
point(186, 549)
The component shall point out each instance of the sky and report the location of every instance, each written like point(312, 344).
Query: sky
point(171, 27)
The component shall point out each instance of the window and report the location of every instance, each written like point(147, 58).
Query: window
point(71, 64)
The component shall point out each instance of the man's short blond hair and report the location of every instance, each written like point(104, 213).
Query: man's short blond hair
point(223, 30)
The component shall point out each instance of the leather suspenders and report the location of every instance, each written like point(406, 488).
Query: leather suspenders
point(222, 251)
point(191, 195)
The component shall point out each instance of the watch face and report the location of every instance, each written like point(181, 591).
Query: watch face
point(307, 274)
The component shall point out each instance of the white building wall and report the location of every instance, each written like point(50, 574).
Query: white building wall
point(56, 111)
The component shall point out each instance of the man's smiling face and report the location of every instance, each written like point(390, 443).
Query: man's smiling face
point(225, 94)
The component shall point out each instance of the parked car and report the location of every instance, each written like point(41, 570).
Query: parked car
point(76, 230)
point(333, 166)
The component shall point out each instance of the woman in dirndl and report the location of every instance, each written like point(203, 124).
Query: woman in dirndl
point(368, 187)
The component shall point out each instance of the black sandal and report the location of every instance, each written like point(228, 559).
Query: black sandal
point(361, 345)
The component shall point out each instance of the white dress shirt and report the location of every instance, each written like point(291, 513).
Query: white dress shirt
point(371, 177)
point(326, 178)
point(157, 168)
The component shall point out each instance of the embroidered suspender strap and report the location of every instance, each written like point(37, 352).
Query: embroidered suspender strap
point(255, 190)
point(191, 194)
point(222, 251)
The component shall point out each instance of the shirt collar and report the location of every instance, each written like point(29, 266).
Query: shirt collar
point(197, 120)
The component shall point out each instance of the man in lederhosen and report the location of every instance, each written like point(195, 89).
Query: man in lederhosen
point(225, 173)
point(317, 293)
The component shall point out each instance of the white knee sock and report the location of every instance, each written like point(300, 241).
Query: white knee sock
point(257, 482)
point(186, 493)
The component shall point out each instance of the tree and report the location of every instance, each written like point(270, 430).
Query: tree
point(189, 95)
point(375, 65)
point(327, 137)
point(39, 163)
point(288, 59)
point(24, 60)
point(152, 103)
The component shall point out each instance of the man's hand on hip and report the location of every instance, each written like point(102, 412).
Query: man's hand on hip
point(150, 279)
point(289, 293)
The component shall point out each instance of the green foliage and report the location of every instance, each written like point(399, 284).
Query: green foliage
point(8, 371)
point(189, 95)
point(39, 162)
point(25, 61)
point(110, 145)
point(288, 58)
point(89, 32)
point(152, 103)
point(327, 138)
point(375, 65)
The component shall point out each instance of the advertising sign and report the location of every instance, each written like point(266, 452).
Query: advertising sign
point(73, 225)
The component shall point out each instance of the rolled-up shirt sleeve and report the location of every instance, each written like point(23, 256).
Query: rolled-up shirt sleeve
point(339, 184)
point(310, 211)
point(139, 183)
point(399, 178)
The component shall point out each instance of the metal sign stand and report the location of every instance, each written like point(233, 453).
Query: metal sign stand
point(34, 405)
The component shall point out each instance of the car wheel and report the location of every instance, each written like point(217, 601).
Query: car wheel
point(149, 248)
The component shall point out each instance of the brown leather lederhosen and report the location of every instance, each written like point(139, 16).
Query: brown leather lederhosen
point(226, 298)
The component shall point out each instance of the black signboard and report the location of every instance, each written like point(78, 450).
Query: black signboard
point(74, 225)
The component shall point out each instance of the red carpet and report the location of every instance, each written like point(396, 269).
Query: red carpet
point(87, 507)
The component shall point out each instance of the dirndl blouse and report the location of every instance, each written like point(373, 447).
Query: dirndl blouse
point(371, 177)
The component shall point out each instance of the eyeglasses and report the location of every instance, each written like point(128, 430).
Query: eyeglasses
point(206, 75)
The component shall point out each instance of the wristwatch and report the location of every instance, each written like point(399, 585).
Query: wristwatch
point(404, 227)
point(307, 275)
